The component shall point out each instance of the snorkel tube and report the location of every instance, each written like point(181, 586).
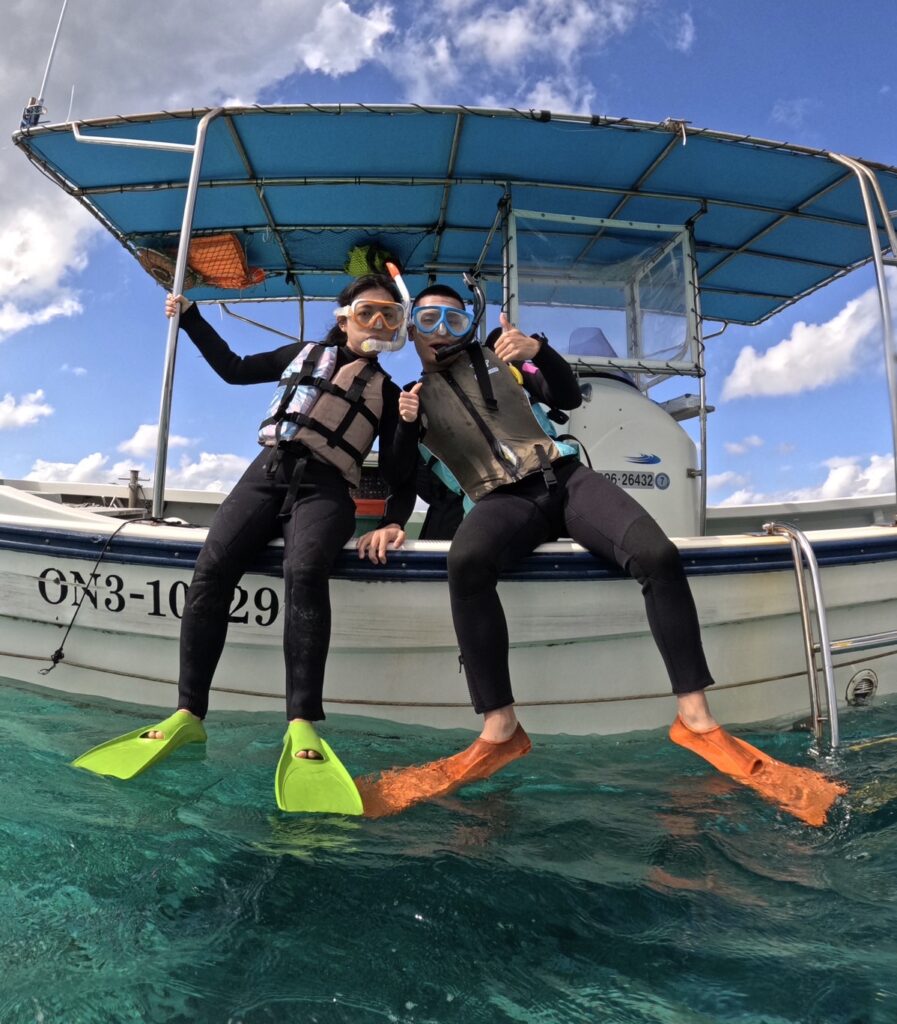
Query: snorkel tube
point(479, 308)
point(399, 338)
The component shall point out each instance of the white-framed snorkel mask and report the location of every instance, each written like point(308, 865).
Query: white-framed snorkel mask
point(390, 315)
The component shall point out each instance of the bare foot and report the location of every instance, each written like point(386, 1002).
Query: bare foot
point(308, 755)
point(157, 734)
point(695, 711)
point(499, 725)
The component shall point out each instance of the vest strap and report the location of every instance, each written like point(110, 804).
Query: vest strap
point(551, 481)
point(293, 489)
point(481, 370)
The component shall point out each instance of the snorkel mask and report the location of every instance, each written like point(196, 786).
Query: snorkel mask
point(401, 329)
point(470, 336)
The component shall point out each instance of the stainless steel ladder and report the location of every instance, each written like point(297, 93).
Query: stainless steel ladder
point(802, 552)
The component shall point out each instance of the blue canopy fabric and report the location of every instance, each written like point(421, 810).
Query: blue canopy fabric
point(300, 186)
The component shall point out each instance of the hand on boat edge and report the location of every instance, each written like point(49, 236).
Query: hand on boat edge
point(376, 543)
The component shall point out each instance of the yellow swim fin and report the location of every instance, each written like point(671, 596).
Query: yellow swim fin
point(313, 785)
point(129, 755)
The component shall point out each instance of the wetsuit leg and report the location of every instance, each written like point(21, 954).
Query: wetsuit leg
point(243, 525)
point(611, 524)
point(501, 529)
point(322, 521)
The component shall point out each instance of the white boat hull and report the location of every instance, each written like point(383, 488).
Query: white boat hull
point(582, 658)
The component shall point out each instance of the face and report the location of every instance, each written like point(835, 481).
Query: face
point(356, 334)
point(428, 345)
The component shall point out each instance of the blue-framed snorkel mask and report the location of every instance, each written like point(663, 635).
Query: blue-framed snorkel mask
point(469, 337)
point(442, 320)
point(401, 335)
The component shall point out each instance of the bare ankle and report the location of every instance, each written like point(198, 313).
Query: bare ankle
point(499, 725)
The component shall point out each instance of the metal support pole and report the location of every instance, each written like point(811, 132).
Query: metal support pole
point(180, 270)
point(800, 546)
point(509, 281)
point(32, 113)
point(864, 174)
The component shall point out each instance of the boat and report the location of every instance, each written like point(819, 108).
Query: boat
point(627, 239)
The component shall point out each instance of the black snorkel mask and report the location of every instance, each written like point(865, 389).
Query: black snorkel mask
point(479, 308)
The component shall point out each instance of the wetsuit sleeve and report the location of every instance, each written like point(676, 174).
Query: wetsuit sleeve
point(397, 469)
point(550, 380)
point(234, 369)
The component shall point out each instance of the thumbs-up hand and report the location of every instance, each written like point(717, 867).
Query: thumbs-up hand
point(513, 345)
point(409, 403)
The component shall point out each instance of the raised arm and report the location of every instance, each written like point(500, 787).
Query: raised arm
point(547, 376)
point(234, 369)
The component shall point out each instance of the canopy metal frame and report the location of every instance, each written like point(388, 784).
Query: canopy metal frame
point(195, 151)
point(781, 228)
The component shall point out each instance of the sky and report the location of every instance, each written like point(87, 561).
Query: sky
point(801, 406)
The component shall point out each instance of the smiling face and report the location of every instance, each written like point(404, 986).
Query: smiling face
point(428, 345)
point(356, 334)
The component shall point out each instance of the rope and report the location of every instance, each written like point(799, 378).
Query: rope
point(59, 654)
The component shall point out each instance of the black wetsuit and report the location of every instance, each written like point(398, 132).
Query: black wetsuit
point(321, 521)
point(510, 521)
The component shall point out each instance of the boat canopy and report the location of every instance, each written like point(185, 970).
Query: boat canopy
point(300, 188)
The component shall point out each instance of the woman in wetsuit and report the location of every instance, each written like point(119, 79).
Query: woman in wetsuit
point(298, 487)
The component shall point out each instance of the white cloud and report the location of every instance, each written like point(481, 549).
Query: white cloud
point(213, 472)
point(45, 235)
point(88, 470)
point(75, 371)
point(740, 447)
point(812, 356)
point(144, 440)
point(495, 52)
point(726, 479)
point(568, 93)
point(14, 319)
point(791, 113)
point(684, 39)
point(847, 477)
point(23, 412)
point(324, 47)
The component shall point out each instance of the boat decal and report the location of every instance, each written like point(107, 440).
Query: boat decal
point(159, 599)
point(643, 460)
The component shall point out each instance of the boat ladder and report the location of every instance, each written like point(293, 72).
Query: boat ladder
point(802, 552)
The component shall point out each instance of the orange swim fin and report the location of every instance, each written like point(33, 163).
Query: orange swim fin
point(397, 789)
point(806, 794)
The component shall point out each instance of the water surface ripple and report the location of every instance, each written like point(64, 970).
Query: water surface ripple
point(609, 880)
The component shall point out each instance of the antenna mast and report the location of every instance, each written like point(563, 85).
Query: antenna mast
point(32, 112)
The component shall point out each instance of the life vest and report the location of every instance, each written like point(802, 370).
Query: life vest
point(297, 392)
point(484, 444)
point(334, 416)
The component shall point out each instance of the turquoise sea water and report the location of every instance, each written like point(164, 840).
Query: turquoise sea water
point(597, 880)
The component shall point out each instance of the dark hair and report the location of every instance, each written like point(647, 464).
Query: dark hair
point(367, 282)
point(439, 289)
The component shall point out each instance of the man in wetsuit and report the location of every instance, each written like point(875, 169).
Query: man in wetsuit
point(473, 415)
point(526, 493)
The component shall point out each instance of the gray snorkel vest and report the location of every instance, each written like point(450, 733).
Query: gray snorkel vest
point(485, 444)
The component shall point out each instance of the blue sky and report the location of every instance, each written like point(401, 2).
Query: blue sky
point(81, 332)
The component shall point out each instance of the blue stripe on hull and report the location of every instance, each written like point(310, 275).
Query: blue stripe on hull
point(409, 566)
